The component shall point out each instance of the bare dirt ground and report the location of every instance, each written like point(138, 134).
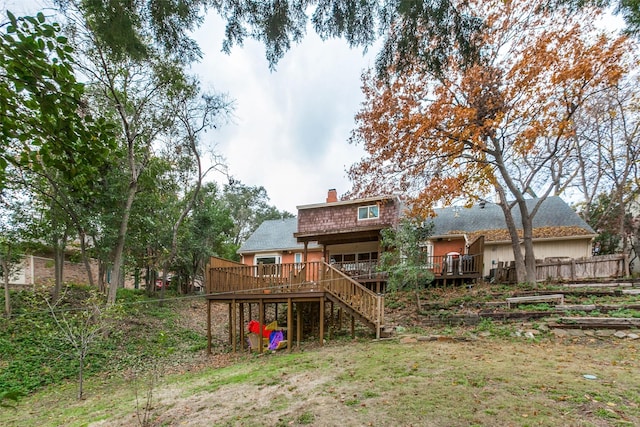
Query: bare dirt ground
point(418, 383)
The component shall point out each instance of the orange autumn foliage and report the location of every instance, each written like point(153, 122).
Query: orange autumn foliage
point(505, 120)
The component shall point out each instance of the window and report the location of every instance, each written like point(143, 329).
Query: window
point(271, 259)
point(427, 252)
point(297, 257)
point(368, 212)
point(267, 265)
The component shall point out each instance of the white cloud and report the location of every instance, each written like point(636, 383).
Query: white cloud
point(291, 126)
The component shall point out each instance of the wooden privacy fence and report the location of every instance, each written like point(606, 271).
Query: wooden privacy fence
point(597, 267)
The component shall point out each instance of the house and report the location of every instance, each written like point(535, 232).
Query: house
point(466, 243)
point(558, 232)
point(345, 233)
point(338, 242)
point(36, 270)
point(273, 243)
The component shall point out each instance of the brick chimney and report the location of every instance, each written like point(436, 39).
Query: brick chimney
point(332, 196)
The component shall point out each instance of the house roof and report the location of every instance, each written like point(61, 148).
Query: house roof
point(274, 235)
point(348, 202)
point(554, 218)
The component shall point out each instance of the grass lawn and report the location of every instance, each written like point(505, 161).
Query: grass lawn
point(487, 381)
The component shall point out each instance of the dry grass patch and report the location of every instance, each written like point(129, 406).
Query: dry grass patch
point(493, 381)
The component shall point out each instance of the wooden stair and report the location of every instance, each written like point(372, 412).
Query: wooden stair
point(354, 298)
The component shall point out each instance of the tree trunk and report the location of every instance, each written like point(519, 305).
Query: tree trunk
point(81, 377)
point(7, 296)
point(85, 257)
point(101, 273)
point(513, 234)
point(527, 238)
point(59, 247)
point(118, 253)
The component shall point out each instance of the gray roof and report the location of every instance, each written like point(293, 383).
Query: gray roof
point(274, 235)
point(553, 212)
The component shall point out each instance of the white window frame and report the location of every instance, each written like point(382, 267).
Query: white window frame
point(427, 247)
point(369, 212)
point(277, 257)
point(297, 257)
point(275, 271)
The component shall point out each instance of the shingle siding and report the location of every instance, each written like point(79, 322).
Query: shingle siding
point(327, 218)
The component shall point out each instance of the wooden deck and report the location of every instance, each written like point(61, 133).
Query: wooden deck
point(317, 282)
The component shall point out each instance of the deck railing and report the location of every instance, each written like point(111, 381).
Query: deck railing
point(282, 278)
point(267, 277)
point(455, 265)
point(364, 301)
point(444, 265)
point(363, 270)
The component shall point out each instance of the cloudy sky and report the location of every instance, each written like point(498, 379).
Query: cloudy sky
point(290, 127)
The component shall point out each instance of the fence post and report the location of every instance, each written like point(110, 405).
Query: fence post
point(625, 260)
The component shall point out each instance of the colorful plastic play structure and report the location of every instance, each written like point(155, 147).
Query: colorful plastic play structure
point(271, 336)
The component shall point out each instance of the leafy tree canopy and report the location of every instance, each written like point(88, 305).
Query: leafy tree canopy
point(249, 207)
point(126, 27)
point(44, 120)
point(505, 121)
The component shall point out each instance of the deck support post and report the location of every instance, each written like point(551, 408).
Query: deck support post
point(321, 321)
point(378, 311)
point(209, 326)
point(331, 320)
point(241, 326)
point(298, 326)
point(289, 324)
point(353, 326)
point(233, 321)
point(230, 323)
point(261, 325)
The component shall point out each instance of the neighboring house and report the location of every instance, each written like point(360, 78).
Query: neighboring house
point(558, 232)
point(35, 270)
point(273, 243)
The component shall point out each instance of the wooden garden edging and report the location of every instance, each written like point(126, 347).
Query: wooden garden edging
point(596, 323)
